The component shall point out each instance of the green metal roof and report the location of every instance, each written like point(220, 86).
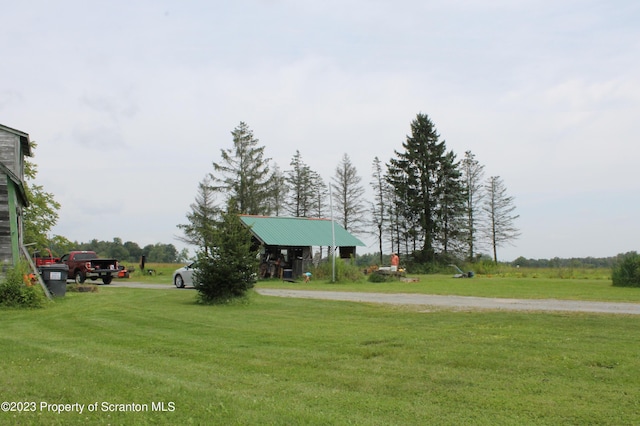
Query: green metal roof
point(298, 231)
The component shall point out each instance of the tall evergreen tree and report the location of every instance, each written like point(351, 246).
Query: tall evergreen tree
point(203, 217)
point(300, 183)
point(243, 173)
point(499, 207)
point(278, 190)
point(451, 205)
point(228, 270)
point(473, 177)
point(400, 221)
point(379, 205)
point(414, 175)
point(348, 196)
point(320, 194)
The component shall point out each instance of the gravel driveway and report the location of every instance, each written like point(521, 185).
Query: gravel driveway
point(456, 302)
point(463, 302)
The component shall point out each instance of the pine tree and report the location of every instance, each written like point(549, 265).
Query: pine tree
point(301, 187)
point(414, 175)
point(319, 197)
point(243, 174)
point(379, 209)
point(498, 208)
point(348, 196)
point(203, 218)
point(450, 212)
point(227, 271)
point(473, 176)
point(279, 191)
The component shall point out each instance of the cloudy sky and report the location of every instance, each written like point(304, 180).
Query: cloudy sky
point(131, 101)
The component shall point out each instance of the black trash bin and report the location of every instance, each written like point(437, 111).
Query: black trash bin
point(55, 278)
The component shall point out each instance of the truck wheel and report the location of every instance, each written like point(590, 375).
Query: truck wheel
point(80, 277)
point(107, 280)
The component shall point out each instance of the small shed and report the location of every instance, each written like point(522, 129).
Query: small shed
point(14, 146)
point(287, 242)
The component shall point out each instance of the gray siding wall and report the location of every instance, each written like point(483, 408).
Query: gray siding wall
point(6, 255)
point(10, 152)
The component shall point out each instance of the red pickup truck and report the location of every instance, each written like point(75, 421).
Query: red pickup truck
point(86, 264)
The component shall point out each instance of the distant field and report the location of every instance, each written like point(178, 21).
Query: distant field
point(288, 361)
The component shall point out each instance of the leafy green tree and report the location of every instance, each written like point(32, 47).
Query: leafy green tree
point(183, 256)
point(348, 196)
point(228, 270)
point(243, 174)
point(134, 250)
point(117, 250)
point(60, 245)
point(41, 215)
point(499, 207)
point(161, 253)
point(413, 175)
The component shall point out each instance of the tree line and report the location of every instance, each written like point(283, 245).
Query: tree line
point(427, 204)
point(127, 251)
point(573, 262)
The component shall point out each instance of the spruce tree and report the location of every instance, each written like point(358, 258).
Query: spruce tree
point(499, 207)
point(348, 196)
point(228, 270)
point(414, 175)
point(379, 208)
point(299, 180)
point(203, 217)
point(450, 211)
point(243, 174)
point(473, 177)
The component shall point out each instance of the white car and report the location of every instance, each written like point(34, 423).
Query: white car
point(184, 276)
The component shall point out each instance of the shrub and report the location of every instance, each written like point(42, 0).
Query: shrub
point(227, 270)
point(380, 278)
point(346, 270)
point(14, 292)
point(626, 272)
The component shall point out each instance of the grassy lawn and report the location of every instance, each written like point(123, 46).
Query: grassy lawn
point(295, 361)
point(526, 283)
point(483, 286)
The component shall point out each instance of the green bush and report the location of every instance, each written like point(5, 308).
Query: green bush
point(15, 293)
point(380, 278)
point(346, 270)
point(626, 272)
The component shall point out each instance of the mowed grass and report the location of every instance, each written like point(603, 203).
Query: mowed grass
point(482, 286)
point(287, 361)
point(529, 283)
